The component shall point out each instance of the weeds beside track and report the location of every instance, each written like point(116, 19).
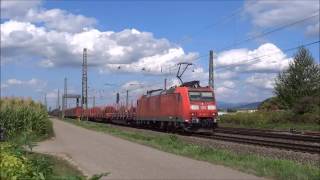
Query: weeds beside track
point(250, 163)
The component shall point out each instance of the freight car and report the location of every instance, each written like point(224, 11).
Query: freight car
point(188, 107)
point(73, 112)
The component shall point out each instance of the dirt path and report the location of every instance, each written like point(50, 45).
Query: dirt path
point(96, 152)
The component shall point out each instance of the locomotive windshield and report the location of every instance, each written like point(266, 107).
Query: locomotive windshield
point(201, 96)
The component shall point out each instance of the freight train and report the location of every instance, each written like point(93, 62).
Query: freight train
point(188, 107)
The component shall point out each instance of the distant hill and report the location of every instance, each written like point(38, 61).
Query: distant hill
point(253, 105)
point(226, 105)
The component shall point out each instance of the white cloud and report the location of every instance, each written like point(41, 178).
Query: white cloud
point(267, 57)
point(60, 20)
point(228, 84)
point(130, 49)
point(313, 30)
point(56, 38)
point(36, 84)
point(275, 13)
point(237, 76)
point(223, 92)
point(132, 85)
point(4, 85)
point(55, 19)
point(225, 75)
point(157, 63)
point(264, 81)
point(17, 8)
point(46, 63)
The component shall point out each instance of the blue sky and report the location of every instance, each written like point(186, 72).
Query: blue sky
point(42, 42)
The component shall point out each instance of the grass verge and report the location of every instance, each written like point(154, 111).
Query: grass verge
point(280, 120)
point(249, 163)
point(60, 169)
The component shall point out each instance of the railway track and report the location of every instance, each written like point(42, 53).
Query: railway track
point(269, 138)
point(270, 134)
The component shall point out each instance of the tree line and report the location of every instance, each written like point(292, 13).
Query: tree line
point(297, 89)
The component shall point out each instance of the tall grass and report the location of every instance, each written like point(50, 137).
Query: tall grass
point(19, 116)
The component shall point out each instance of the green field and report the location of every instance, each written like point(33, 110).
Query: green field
point(249, 163)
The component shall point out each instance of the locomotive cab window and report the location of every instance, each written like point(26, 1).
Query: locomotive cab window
point(201, 96)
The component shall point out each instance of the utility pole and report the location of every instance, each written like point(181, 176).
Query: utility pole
point(165, 83)
point(211, 69)
point(127, 99)
point(84, 98)
point(45, 101)
point(94, 101)
point(64, 99)
point(58, 100)
point(118, 99)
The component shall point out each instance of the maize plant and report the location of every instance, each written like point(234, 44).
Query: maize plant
point(18, 116)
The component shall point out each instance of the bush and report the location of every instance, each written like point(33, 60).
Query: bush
point(309, 118)
point(271, 104)
point(257, 118)
point(16, 164)
point(307, 104)
point(12, 165)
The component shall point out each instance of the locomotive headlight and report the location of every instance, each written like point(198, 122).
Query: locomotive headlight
point(194, 107)
point(212, 107)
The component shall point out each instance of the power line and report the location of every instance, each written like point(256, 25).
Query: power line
point(218, 22)
point(239, 42)
point(263, 34)
point(257, 59)
point(271, 31)
point(221, 21)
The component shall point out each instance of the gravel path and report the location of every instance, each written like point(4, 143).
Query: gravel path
point(95, 152)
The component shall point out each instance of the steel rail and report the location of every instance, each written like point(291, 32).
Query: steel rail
point(269, 134)
point(264, 142)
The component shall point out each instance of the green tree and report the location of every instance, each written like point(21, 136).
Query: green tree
point(270, 104)
point(301, 79)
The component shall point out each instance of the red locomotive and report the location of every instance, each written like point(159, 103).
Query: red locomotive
point(189, 107)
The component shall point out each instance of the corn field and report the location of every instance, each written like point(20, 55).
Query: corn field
point(19, 116)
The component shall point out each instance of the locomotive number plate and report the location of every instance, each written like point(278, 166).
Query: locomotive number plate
point(203, 107)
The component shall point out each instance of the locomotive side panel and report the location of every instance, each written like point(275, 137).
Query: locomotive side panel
point(170, 107)
point(159, 108)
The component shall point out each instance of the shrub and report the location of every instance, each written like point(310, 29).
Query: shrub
point(12, 167)
point(307, 104)
point(257, 118)
point(15, 164)
point(271, 104)
point(309, 118)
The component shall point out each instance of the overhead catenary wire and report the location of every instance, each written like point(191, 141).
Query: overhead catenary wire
point(144, 69)
point(315, 14)
point(253, 60)
point(257, 59)
point(220, 21)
